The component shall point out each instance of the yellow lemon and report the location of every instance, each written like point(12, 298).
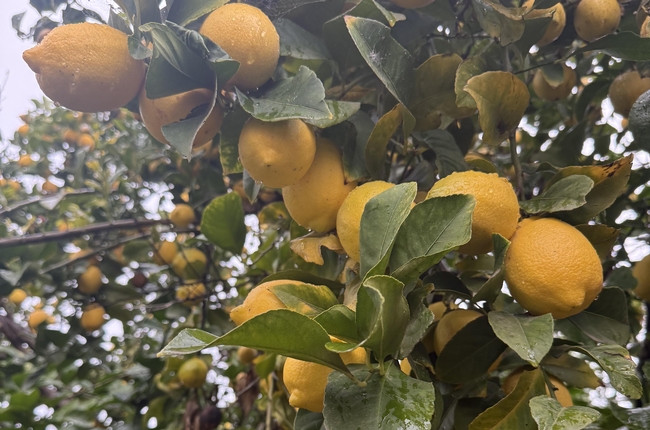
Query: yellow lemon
point(552, 268)
point(348, 219)
point(190, 263)
point(86, 141)
point(641, 272)
point(157, 113)
point(306, 381)
point(546, 92)
point(246, 355)
point(596, 18)
point(625, 89)
point(496, 211)
point(411, 4)
point(555, 27)
point(70, 136)
point(92, 317)
point(277, 154)
point(49, 187)
point(193, 372)
point(260, 300)
point(90, 281)
point(182, 215)
point(165, 253)
point(405, 366)
point(561, 392)
point(86, 67)
point(23, 130)
point(191, 294)
point(25, 160)
point(314, 201)
point(248, 36)
point(449, 325)
point(17, 296)
point(37, 318)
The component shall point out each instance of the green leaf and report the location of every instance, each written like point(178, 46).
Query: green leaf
point(601, 236)
point(573, 371)
point(351, 137)
point(534, 31)
point(616, 361)
point(550, 415)
point(388, 402)
point(624, 45)
point(229, 143)
point(306, 277)
point(640, 121)
point(432, 229)
point(251, 188)
point(500, 22)
point(181, 134)
point(466, 70)
point(223, 223)
point(635, 418)
point(623, 278)
point(307, 420)
point(147, 11)
point(449, 158)
point(502, 99)
point(340, 111)
point(566, 194)
point(375, 151)
point(385, 212)
point(513, 411)
point(188, 341)
point(306, 299)
point(606, 319)
point(302, 96)
point(492, 287)
point(420, 319)
point(339, 321)
point(186, 11)
point(392, 64)
point(446, 282)
point(530, 337)
point(470, 353)
point(297, 42)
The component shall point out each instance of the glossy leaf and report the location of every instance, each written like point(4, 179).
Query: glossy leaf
point(566, 194)
point(601, 236)
point(297, 42)
point(184, 12)
point(420, 319)
point(223, 223)
point(305, 299)
point(339, 321)
point(449, 158)
point(375, 151)
point(229, 143)
point(624, 45)
point(530, 337)
point(606, 319)
point(188, 341)
point(466, 70)
point(340, 111)
point(550, 415)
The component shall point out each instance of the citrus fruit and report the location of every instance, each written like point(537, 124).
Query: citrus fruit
point(641, 272)
point(258, 301)
point(190, 263)
point(25, 160)
point(496, 211)
point(86, 67)
point(314, 201)
point(23, 130)
point(182, 215)
point(555, 27)
point(449, 325)
point(157, 113)
point(625, 89)
point(411, 4)
point(86, 141)
point(248, 36)
point(348, 219)
point(49, 187)
point(193, 372)
point(92, 317)
point(405, 366)
point(277, 154)
point(306, 381)
point(246, 355)
point(561, 392)
point(596, 18)
point(17, 296)
point(191, 294)
point(549, 93)
point(37, 318)
point(438, 309)
point(90, 281)
point(552, 268)
point(644, 31)
point(165, 253)
point(70, 136)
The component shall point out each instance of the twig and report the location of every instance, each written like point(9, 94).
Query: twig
point(519, 183)
point(269, 405)
point(36, 199)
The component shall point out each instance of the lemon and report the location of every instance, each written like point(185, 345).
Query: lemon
point(248, 36)
point(643, 31)
point(314, 201)
point(70, 136)
point(86, 141)
point(157, 113)
point(438, 309)
point(246, 355)
point(190, 263)
point(596, 18)
point(552, 268)
point(306, 381)
point(23, 130)
point(90, 281)
point(165, 253)
point(546, 92)
point(348, 219)
point(193, 372)
point(405, 366)
point(625, 89)
point(191, 294)
point(182, 215)
point(555, 27)
point(86, 67)
point(260, 300)
point(25, 161)
point(641, 272)
point(37, 318)
point(411, 4)
point(17, 296)
point(277, 154)
point(49, 187)
point(449, 325)
point(92, 317)
point(496, 211)
point(561, 392)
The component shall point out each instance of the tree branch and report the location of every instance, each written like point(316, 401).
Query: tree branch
point(36, 199)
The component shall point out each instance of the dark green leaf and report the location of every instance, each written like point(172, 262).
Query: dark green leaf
point(449, 159)
point(606, 319)
point(573, 371)
point(375, 150)
point(309, 300)
point(297, 42)
point(352, 137)
point(530, 337)
point(307, 420)
point(601, 236)
point(500, 22)
point(640, 121)
point(623, 278)
point(339, 321)
point(420, 319)
point(566, 194)
point(186, 11)
point(492, 287)
point(229, 143)
point(624, 45)
point(550, 415)
point(223, 223)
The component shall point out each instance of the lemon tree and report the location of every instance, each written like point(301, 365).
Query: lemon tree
point(339, 214)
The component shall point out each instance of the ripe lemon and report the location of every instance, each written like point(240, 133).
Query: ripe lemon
point(70, 136)
point(555, 27)
point(348, 219)
point(25, 160)
point(314, 201)
point(165, 253)
point(167, 110)
point(411, 4)
point(561, 392)
point(596, 18)
point(49, 187)
point(86, 141)
point(92, 317)
point(277, 154)
point(552, 268)
point(449, 325)
point(193, 372)
point(260, 300)
point(190, 263)
point(182, 215)
point(90, 281)
point(625, 89)
point(306, 381)
point(23, 130)
point(496, 211)
point(86, 67)
point(17, 296)
point(546, 92)
point(248, 36)
point(191, 294)
point(438, 309)
point(641, 272)
point(246, 355)
point(405, 366)
point(38, 317)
